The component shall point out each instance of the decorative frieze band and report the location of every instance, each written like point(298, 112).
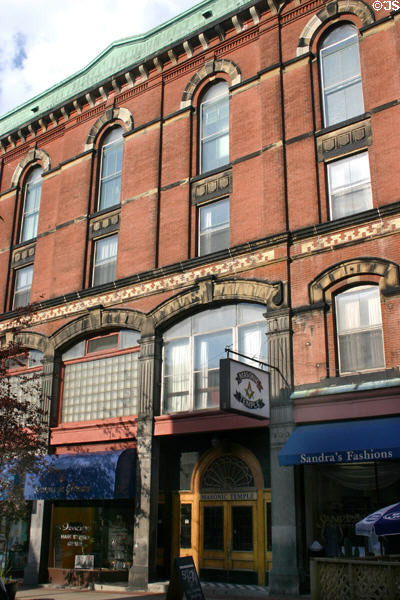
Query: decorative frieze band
point(212, 187)
point(104, 224)
point(24, 255)
point(344, 140)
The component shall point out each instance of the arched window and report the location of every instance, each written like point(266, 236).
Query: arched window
point(214, 127)
point(342, 95)
point(193, 348)
point(359, 329)
point(110, 169)
point(100, 377)
point(30, 215)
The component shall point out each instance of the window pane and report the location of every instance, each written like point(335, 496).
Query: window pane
point(214, 227)
point(213, 528)
point(217, 318)
point(22, 287)
point(341, 75)
point(208, 351)
point(105, 260)
point(242, 528)
point(33, 190)
point(253, 343)
point(359, 326)
point(111, 165)
point(100, 344)
point(214, 127)
point(349, 185)
point(176, 376)
point(100, 389)
point(186, 526)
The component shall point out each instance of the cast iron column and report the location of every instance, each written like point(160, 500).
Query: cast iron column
point(284, 576)
point(146, 504)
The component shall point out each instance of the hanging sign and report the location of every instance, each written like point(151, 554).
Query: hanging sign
point(244, 389)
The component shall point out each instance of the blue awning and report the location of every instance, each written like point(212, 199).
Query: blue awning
point(343, 442)
point(91, 476)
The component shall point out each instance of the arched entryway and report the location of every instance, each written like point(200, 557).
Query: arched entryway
point(224, 519)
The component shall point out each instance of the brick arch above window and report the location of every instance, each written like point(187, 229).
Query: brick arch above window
point(96, 321)
point(331, 10)
point(211, 67)
point(123, 115)
point(36, 155)
point(355, 271)
point(209, 292)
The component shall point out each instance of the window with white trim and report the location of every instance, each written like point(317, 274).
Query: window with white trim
point(193, 348)
point(359, 330)
point(214, 226)
point(349, 183)
point(30, 215)
point(214, 127)
point(22, 286)
point(111, 168)
point(342, 95)
point(105, 260)
point(100, 377)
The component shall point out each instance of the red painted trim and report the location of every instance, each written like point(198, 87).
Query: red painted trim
point(203, 421)
point(355, 406)
point(97, 431)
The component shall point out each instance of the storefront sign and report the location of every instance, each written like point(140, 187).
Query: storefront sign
point(244, 389)
point(91, 476)
point(229, 496)
point(348, 456)
point(185, 581)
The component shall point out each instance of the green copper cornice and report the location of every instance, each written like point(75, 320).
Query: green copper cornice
point(121, 56)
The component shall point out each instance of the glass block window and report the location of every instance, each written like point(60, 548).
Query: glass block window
point(193, 348)
point(214, 227)
point(359, 330)
point(111, 167)
point(102, 383)
point(342, 94)
point(30, 216)
point(214, 127)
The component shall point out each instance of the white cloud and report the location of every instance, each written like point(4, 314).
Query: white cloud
point(45, 41)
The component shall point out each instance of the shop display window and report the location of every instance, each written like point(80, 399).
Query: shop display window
point(94, 535)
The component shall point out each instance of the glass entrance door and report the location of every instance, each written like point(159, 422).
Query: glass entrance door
point(227, 540)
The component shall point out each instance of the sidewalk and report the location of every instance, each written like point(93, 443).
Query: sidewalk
point(211, 592)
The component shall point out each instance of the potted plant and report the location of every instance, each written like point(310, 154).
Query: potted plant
point(8, 584)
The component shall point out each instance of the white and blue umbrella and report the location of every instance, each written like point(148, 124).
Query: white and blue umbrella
point(385, 521)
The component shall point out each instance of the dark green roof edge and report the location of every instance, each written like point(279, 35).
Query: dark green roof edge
point(119, 56)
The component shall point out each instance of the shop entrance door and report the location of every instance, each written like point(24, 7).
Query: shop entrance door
point(228, 540)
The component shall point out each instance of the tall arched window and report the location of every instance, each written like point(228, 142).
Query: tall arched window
point(214, 127)
point(359, 329)
point(32, 194)
point(342, 95)
point(111, 167)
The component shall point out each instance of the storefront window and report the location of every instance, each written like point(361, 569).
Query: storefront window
point(338, 496)
point(94, 535)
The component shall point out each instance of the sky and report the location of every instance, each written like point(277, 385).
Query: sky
point(45, 41)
